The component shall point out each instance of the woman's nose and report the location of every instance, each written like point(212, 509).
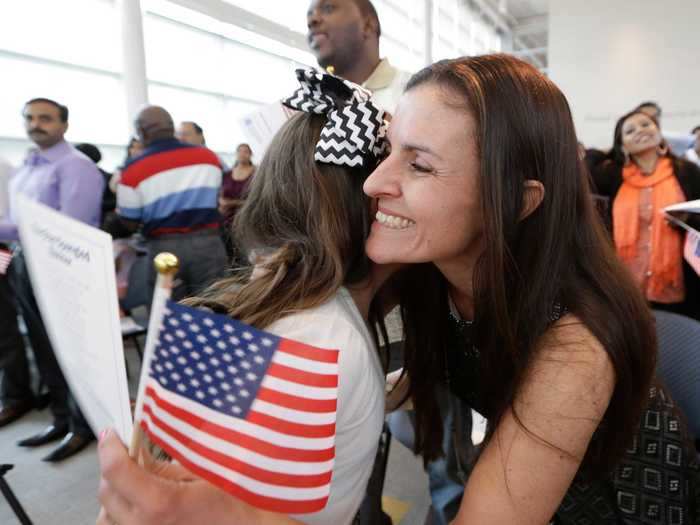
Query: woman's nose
point(383, 181)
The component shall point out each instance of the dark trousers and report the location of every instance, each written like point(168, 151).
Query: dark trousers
point(202, 259)
point(63, 407)
point(15, 384)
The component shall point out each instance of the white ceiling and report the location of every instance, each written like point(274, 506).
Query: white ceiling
point(528, 20)
point(520, 9)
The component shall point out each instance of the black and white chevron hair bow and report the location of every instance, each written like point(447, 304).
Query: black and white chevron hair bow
point(354, 134)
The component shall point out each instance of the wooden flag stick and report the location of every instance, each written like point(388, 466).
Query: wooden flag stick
point(166, 265)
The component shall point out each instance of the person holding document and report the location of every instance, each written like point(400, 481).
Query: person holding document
point(643, 177)
point(306, 220)
point(59, 176)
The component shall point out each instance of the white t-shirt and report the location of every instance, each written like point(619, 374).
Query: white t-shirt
point(338, 324)
point(387, 84)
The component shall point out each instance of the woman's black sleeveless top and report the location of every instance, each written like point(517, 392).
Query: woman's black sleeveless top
point(657, 482)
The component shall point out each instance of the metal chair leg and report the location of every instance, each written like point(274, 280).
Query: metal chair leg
point(137, 344)
point(15, 505)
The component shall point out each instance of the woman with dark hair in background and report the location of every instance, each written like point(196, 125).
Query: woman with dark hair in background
point(133, 149)
point(640, 179)
point(517, 305)
point(234, 189)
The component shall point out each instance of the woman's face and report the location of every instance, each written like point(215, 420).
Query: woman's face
point(426, 191)
point(243, 154)
point(639, 134)
point(136, 148)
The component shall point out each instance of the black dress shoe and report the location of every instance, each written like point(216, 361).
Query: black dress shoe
point(71, 444)
point(49, 434)
point(10, 412)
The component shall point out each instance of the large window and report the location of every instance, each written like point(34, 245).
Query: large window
point(403, 33)
point(200, 66)
point(211, 73)
point(459, 30)
point(68, 51)
point(83, 32)
point(288, 13)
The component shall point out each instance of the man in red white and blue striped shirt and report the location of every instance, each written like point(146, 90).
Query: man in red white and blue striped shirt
point(171, 190)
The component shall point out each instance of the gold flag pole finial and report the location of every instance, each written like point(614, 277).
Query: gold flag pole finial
point(331, 70)
point(166, 263)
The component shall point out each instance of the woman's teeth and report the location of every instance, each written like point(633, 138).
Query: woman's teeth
point(391, 221)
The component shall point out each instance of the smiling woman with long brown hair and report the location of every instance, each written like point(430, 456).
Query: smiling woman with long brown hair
point(517, 304)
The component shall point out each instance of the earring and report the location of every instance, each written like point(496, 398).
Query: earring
point(627, 156)
point(662, 149)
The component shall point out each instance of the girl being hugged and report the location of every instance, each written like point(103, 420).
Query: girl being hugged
point(306, 220)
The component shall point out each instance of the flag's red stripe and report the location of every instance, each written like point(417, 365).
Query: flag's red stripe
point(282, 506)
point(303, 404)
point(300, 376)
point(241, 439)
point(308, 352)
point(230, 462)
point(293, 429)
point(184, 229)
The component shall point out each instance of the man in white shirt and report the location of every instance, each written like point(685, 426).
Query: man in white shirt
point(344, 34)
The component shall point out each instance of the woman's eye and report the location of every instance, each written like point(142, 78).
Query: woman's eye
point(419, 168)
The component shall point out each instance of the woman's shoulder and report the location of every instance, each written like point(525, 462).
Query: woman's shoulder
point(568, 339)
point(688, 175)
point(686, 168)
point(572, 362)
point(333, 324)
point(567, 387)
point(607, 176)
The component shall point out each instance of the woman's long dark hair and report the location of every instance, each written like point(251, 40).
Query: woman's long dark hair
point(312, 220)
point(560, 254)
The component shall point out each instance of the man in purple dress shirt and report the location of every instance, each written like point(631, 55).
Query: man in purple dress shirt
point(57, 175)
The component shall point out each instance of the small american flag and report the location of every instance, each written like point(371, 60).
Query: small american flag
point(5, 259)
point(250, 412)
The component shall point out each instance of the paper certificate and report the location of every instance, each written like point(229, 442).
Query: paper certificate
point(261, 126)
point(687, 207)
point(71, 266)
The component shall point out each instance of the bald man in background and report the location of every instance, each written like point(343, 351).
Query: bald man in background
point(170, 191)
